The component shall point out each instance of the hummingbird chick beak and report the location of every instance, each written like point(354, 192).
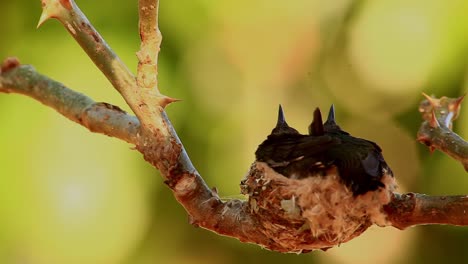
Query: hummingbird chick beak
point(282, 127)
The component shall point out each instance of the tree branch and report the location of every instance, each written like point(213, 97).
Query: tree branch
point(145, 103)
point(150, 44)
point(436, 131)
point(206, 209)
point(156, 139)
point(97, 117)
point(412, 209)
point(233, 218)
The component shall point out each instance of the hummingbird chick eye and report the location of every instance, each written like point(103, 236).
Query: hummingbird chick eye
point(338, 183)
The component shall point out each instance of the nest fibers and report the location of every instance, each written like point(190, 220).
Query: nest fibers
point(316, 212)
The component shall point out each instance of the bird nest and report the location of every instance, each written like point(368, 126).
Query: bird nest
point(316, 212)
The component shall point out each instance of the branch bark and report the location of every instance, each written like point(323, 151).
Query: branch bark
point(155, 137)
point(436, 130)
point(412, 209)
point(101, 118)
point(151, 39)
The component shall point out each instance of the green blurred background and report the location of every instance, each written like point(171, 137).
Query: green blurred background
point(70, 196)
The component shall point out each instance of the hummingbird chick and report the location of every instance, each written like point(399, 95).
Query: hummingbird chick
point(318, 190)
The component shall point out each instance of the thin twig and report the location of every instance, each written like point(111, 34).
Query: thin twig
point(436, 131)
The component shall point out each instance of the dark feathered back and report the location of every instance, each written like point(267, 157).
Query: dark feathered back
point(359, 162)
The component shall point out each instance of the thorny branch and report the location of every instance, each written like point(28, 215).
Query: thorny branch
point(154, 136)
point(436, 131)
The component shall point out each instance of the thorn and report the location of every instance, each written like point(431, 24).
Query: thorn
point(433, 122)
point(426, 140)
point(9, 64)
point(455, 105)
point(427, 96)
point(44, 17)
point(54, 9)
point(166, 100)
point(431, 100)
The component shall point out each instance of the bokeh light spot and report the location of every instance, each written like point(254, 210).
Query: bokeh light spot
point(395, 46)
